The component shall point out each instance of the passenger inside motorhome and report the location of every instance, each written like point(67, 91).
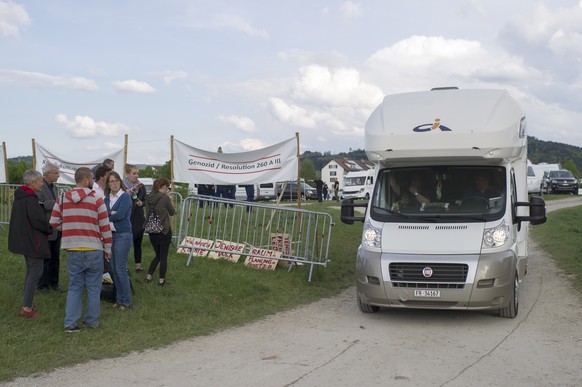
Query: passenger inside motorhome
point(439, 192)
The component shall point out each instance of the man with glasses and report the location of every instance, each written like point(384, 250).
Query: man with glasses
point(48, 197)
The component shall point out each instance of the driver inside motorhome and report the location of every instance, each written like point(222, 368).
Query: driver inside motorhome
point(439, 193)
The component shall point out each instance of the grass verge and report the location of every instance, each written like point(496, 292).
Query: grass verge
point(561, 237)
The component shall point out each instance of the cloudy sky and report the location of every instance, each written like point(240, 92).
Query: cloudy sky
point(78, 75)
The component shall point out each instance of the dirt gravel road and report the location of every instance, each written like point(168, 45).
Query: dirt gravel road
point(330, 342)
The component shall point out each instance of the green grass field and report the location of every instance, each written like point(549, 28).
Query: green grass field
point(201, 299)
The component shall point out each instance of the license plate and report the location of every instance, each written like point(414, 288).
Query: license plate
point(427, 293)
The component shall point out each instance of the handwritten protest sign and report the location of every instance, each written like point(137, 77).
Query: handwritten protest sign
point(260, 262)
point(190, 242)
point(231, 251)
point(281, 242)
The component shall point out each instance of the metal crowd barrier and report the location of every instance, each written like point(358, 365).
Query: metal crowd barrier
point(177, 202)
point(6, 200)
point(258, 232)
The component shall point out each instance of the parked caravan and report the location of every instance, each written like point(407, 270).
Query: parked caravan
point(358, 184)
point(533, 181)
point(446, 226)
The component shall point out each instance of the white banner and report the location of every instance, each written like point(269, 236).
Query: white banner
point(2, 164)
point(67, 168)
point(277, 162)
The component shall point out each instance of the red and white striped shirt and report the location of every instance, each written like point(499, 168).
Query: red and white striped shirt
point(82, 218)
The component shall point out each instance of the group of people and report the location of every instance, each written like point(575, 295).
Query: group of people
point(322, 190)
point(96, 222)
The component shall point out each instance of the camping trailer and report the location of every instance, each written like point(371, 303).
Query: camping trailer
point(446, 226)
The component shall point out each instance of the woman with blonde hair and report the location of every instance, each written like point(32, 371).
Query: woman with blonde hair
point(159, 200)
point(137, 191)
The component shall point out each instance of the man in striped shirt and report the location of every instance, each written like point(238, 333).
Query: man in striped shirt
point(82, 218)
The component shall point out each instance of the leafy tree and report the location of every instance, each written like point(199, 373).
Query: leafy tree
point(165, 170)
point(16, 170)
point(308, 170)
point(571, 166)
point(148, 171)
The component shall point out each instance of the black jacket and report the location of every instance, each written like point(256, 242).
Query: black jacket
point(29, 228)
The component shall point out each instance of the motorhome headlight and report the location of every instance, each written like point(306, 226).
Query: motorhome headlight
point(496, 236)
point(371, 236)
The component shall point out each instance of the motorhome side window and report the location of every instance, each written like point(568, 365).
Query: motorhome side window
point(440, 193)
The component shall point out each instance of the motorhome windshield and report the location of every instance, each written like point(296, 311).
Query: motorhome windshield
point(439, 193)
point(355, 180)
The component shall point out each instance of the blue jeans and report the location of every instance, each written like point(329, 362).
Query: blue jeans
point(85, 270)
point(120, 251)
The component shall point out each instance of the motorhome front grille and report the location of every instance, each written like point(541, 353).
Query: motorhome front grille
point(428, 272)
point(427, 285)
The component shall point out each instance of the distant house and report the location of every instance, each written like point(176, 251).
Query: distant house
point(337, 168)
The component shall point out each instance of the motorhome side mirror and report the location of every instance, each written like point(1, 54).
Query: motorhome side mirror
point(347, 211)
point(537, 210)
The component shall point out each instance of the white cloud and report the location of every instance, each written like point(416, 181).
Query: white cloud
point(12, 18)
point(291, 114)
point(422, 62)
point(133, 86)
point(244, 145)
point(427, 51)
point(550, 121)
point(243, 123)
point(107, 145)
point(87, 127)
point(306, 57)
point(229, 21)
point(40, 80)
point(170, 76)
point(551, 39)
point(334, 101)
point(251, 31)
point(566, 43)
point(250, 144)
point(350, 9)
point(335, 87)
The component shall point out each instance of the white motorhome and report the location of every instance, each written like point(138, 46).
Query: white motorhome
point(446, 226)
point(358, 184)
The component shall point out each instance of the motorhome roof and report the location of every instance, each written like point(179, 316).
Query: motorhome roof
point(444, 124)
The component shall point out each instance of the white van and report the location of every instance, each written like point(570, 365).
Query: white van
point(446, 226)
point(263, 191)
point(266, 191)
point(358, 184)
